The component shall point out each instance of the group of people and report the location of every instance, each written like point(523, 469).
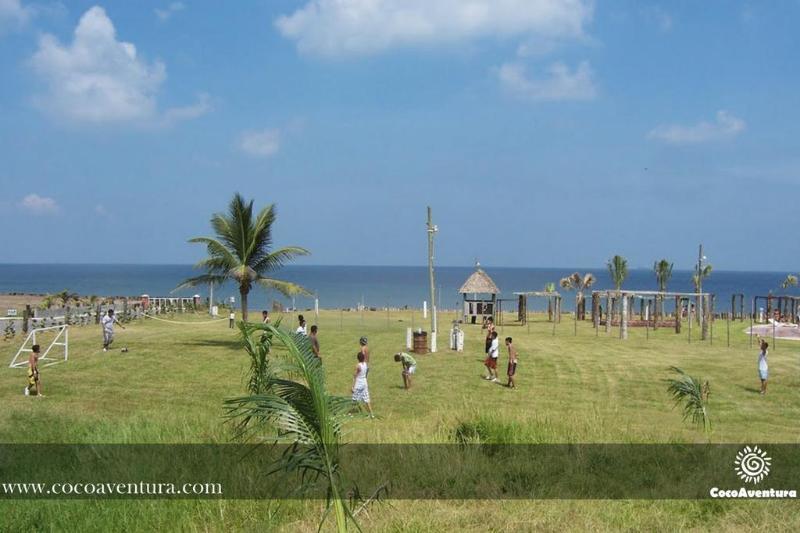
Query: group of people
point(492, 348)
point(360, 385)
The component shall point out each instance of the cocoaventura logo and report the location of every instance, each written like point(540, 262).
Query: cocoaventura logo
point(752, 465)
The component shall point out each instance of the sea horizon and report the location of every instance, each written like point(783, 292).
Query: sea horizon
point(348, 286)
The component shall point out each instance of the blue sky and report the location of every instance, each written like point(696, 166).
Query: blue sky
point(542, 132)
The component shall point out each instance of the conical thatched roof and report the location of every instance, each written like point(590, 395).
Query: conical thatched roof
point(479, 283)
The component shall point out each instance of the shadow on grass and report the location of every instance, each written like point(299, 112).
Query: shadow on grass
point(750, 389)
point(231, 344)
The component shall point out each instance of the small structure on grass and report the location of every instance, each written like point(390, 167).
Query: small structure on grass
point(480, 296)
point(553, 305)
point(651, 314)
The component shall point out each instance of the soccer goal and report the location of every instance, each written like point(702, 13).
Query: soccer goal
point(48, 356)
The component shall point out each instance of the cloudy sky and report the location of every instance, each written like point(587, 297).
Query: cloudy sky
point(542, 132)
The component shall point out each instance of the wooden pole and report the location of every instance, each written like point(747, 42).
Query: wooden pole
point(623, 319)
point(728, 325)
point(608, 312)
point(431, 231)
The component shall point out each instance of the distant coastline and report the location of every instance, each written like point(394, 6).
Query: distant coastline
point(349, 286)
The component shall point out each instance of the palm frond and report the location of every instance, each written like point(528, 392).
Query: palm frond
point(286, 288)
point(289, 400)
point(693, 393)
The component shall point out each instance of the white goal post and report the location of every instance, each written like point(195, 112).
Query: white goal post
point(45, 359)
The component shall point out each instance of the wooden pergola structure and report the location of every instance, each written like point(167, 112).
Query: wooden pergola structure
point(650, 309)
point(480, 296)
point(553, 305)
point(785, 305)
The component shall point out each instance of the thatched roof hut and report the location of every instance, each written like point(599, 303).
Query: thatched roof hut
point(476, 308)
point(479, 283)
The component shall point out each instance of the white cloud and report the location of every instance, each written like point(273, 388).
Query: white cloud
point(561, 83)
point(39, 205)
point(725, 126)
point(263, 143)
point(13, 14)
point(166, 13)
point(98, 78)
point(198, 109)
point(340, 27)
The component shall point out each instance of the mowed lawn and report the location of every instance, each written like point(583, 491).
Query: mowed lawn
point(169, 388)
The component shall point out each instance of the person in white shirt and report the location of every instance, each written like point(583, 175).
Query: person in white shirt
point(231, 320)
point(301, 329)
point(491, 359)
point(763, 368)
point(108, 328)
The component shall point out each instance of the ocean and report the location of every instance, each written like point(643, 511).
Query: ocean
point(349, 286)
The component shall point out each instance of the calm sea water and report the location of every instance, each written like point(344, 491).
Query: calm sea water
point(347, 286)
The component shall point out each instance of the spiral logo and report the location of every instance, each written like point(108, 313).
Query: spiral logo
point(752, 464)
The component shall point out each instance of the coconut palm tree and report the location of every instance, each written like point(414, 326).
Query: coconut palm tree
point(242, 252)
point(693, 393)
point(618, 269)
point(663, 272)
point(578, 283)
point(47, 302)
point(65, 296)
point(550, 287)
point(697, 281)
point(300, 413)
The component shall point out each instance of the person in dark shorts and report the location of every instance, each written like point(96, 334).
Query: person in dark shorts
point(34, 386)
point(491, 358)
point(489, 331)
point(512, 363)
point(314, 340)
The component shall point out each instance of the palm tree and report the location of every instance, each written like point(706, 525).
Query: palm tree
point(693, 393)
point(579, 284)
point(698, 277)
point(242, 252)
point(663, 272)
point(550, 287)
point(47, 302)
point(301, 413)
point(65, 296)
point(697, 280)
point(790, 281)
point(618, 269)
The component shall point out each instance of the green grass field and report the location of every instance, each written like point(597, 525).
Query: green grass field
point(169, 389)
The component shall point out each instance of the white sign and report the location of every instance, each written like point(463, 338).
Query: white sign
point(11, 312)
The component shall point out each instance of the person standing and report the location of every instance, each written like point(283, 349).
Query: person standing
point(364, 348)
point(763, 368)
point(360, 388)
point(491, 358)
point(108, 328)
point(301, 328)
point(265, 317)
point(314, 341)
point(231, 319)
point(34, 386)
point(489, 331)
point(512, 363)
